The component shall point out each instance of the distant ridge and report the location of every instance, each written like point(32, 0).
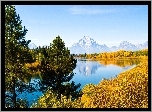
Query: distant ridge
point(89, 45)
point(32, 46)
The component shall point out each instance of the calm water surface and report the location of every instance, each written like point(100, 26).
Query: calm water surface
point(90, 72)
point(93, 72)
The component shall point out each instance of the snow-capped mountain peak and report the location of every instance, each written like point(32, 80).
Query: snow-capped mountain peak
point(86, 38)
point(86, 42)
point(88, 45)
point(125, 43)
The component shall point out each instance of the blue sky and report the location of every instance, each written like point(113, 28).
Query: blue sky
point(106, 24)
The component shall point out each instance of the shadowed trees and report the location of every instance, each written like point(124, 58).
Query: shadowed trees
point(57, 67)
point(53, 63)
point(16, 55)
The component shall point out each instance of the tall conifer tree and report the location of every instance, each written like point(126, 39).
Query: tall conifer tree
point(16, 55)
point(57, 68)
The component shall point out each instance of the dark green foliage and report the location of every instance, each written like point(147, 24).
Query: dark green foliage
point(16, 54)
point(57, 67)
point(54, 63)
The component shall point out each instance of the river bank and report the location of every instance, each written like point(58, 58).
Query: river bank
point(128, 90)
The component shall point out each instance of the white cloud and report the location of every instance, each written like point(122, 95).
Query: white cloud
point(89, 11)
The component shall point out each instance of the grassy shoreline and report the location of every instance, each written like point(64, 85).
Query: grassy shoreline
point(128, 90)
point(120, 58)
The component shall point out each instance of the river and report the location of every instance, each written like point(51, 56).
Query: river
point(88, 71)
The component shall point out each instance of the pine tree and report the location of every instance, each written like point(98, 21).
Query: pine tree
point(16, 55)
point(57, 68)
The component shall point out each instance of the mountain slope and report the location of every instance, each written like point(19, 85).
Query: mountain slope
point(127, 46)
point(88, 45)
point(32, 46)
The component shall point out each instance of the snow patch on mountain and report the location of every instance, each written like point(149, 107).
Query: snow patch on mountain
point(88, 45)
point(32, 46)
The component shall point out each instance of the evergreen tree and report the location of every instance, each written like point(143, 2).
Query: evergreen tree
point(16, 55)
point(57, 68)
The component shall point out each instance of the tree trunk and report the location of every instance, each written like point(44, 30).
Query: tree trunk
point(14, 93)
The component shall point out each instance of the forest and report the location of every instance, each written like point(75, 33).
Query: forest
point(120, 54)
point(55, 65)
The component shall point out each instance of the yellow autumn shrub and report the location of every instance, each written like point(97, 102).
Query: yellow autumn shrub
point(50, 100)
point(128, 90)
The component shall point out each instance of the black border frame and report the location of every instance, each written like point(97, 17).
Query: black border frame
point(3, 3)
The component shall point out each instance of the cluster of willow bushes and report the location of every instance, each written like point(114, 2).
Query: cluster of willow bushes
point(121, 54)
point(50, 100)
point(128, 90)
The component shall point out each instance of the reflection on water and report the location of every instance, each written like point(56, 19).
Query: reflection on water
point(32, 96)
point(90, 67)
point(122, 63)
point(94, 71)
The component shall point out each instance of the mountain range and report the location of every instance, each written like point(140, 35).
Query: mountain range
point(89, 45)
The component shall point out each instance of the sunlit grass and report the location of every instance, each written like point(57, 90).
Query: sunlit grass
point(128, 90)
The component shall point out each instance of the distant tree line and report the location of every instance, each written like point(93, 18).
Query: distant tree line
point(121, 54)
point(116, 54)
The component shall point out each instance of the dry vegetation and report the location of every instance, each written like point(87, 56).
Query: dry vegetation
point(128, 90)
